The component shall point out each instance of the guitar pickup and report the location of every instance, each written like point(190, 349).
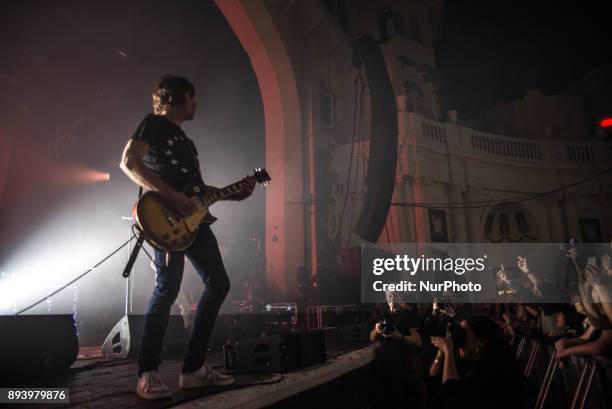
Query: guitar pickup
point(197, 201)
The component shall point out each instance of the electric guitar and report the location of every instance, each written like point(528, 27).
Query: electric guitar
point(164, 230)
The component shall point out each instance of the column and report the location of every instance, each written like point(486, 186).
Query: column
point(418, 188)
point(405, 214)
point(556, 224)
point(457, 215)
point(474, 225)
point(571, 215)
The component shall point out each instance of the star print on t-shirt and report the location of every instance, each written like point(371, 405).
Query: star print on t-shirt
point(172, 155)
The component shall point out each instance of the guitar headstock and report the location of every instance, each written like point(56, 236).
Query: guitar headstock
point(261, 176)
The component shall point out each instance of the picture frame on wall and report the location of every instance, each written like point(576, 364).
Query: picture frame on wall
point(438, 228)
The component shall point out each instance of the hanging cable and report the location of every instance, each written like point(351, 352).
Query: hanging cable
point(350, 167)
point(492, 202)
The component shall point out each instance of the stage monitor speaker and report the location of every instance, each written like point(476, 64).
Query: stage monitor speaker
point(124, 339)
point(255, 355)
point(304, 349)
point(382, 161)
point(277, 353)
point(36, 345)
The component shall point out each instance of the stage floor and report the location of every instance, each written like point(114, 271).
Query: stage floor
point(95, 382)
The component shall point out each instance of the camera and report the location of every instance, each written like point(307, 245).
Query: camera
point(386, 323)
point(442, 303)
point(442, 327)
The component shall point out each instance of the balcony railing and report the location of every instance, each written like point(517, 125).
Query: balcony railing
point(462, 141)
point(504, 146)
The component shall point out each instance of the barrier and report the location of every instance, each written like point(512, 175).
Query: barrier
point(583, 383)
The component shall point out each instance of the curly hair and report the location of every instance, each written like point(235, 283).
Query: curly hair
point(170, 92)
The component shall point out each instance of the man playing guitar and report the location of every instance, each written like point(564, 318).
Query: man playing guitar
point(161, 158)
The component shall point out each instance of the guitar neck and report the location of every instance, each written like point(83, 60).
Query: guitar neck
point(224, 192)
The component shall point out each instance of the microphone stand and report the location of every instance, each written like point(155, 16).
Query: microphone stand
point(129, 267)
point(117, 342)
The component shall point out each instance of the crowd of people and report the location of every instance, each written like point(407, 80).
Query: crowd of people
point(451, 355)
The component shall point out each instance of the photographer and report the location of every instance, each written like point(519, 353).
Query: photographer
point(490, 375)
point(399, 326)
point(393, 374)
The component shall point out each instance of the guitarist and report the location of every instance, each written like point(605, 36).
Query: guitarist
point(161, 158)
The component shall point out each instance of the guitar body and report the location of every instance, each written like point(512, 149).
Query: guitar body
point(162, 228)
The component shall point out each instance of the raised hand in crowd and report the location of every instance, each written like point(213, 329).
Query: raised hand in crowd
point(521, 262)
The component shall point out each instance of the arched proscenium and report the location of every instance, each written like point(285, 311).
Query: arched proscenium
point(260, 37)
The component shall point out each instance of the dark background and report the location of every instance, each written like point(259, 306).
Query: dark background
point(494, 51)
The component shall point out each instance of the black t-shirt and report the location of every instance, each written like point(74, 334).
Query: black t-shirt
point(172, 155)
point(404, 319)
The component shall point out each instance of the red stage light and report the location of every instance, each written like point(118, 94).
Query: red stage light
point(74, 174)
point(94, 176)
point(606, 123)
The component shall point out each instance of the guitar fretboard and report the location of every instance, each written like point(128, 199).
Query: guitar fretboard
point(224, 192)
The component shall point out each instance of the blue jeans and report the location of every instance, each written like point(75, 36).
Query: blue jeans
point(205, 256)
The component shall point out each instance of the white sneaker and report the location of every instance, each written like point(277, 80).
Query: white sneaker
point(205, 376)
point(151, 386)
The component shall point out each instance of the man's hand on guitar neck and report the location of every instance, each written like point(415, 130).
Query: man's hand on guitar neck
point(245, 192)
point(179, 202)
